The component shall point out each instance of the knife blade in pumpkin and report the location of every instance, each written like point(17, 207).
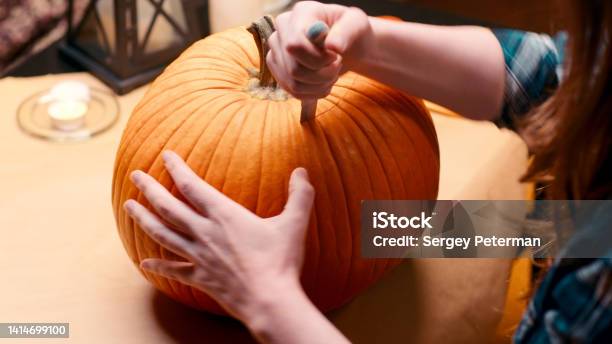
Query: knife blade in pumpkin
point(316, 34)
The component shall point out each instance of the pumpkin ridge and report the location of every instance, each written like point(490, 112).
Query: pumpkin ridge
point(252, 113)
point(200, 165)
point(126, 181)
point(192, 293)
point(386, 170)
point(313, 158)
point(315, 242)
point(393, 118)
point(151, 93)
point(196, 71)
point(230, 85)
point(360, 126)
point(214, 51)
point(356, 266)
point(424, 122)
point(129, 136)
point(261, 159)
point(204, 65)
point(126, 162)
point(148, 96)
point(231, 155)
point(136, 230)
point(421, 121)
point(324, 149)
point(203, 131)
point(240, 46)
point(176, 288)
point(348, 211)
point(162, 281)
point(419, 156)
point(350, 133)
point(375, 128)
point(209, 59)
point(219, 67)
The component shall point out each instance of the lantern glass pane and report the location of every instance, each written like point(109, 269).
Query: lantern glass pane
point(162, 36)
point(92, 37)
point(146, 14)
point(174, 9)
point(160, 26)
point(107, 17)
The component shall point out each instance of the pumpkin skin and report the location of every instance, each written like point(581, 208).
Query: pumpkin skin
point(367, 141)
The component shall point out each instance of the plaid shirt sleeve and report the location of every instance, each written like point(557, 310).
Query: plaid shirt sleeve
point(533, 70)
point(572, 305)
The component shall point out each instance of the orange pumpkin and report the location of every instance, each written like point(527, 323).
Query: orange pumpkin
point(243, 136)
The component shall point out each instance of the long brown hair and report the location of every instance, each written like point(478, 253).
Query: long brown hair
point(571, 134)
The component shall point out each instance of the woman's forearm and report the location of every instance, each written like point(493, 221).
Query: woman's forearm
point(287, 316)
point(460, 67)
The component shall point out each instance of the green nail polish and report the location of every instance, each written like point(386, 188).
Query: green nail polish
point(316, 30)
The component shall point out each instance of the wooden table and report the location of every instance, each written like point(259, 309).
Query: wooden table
point(61, 259)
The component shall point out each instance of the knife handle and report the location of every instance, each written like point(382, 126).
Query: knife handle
point(316, 33)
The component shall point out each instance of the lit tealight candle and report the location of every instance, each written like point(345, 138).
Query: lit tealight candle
point(67, 104)
point(67, 115)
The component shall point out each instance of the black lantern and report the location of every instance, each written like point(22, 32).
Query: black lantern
point(126, 43)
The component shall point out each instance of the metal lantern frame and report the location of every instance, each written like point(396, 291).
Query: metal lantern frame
point(126, 64)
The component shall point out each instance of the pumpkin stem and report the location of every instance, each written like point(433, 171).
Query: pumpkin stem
point(261, 31)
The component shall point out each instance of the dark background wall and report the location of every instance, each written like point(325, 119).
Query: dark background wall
point(531, 15)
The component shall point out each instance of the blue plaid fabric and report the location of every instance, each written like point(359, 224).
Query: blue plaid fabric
point(572, 305)
point(574, 302)
point(533, 71)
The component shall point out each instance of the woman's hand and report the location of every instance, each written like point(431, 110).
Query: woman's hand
point(306, 70)
point(233, 255)
point(436, 63)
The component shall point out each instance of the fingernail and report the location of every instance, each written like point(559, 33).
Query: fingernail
point(315, 31)
point(135, 177)
point(302, 172)
point(127, 206)
point(144, 264)
point(166, 155)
